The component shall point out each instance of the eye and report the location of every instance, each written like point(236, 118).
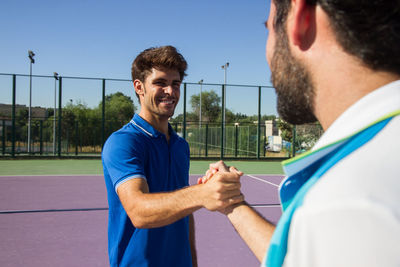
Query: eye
point(176, 85)
point(159, 83)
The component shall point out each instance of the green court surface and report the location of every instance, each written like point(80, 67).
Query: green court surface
point(93, 166)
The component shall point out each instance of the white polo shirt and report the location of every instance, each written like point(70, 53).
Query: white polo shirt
point(351, 216)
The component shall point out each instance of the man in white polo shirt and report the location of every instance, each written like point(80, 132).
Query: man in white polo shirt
point(337, 62)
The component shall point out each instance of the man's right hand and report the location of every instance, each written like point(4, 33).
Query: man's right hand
point(222, 186)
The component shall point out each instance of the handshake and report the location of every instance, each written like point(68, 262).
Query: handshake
point(222, 186)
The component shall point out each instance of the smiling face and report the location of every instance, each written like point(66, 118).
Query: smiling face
point(158, 94)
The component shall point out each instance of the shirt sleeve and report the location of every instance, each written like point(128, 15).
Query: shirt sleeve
point(346, 233)
point(123, 158)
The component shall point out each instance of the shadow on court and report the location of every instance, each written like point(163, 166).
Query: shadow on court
point(62, 221)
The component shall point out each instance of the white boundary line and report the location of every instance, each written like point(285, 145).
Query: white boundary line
point(259, 179)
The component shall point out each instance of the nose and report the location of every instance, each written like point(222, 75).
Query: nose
point(168, 89)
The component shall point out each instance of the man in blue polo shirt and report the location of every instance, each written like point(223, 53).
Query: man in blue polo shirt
point(146, 170)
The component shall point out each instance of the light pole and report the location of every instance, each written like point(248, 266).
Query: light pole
point(32, 61)
point(225, 68)
point(201, 89)
point(55, 107)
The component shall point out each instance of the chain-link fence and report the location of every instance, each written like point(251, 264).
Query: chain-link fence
point(73, 116)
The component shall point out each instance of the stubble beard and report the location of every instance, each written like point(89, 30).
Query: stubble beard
point(293, 84)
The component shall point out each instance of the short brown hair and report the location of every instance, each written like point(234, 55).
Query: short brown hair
point(164, 57)
point(367, 29)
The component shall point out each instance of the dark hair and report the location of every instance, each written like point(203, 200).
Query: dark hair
point(164, 57)
point(367, 29)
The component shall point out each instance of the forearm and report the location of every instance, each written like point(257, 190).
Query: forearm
point(252, 228)
point(151, 210)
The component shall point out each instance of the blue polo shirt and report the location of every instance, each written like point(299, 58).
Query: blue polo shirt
point(138, 151)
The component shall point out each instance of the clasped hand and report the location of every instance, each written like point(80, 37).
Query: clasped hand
point(223, 186)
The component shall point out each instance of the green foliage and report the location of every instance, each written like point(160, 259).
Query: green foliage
point(82, 123)
point(210, 106)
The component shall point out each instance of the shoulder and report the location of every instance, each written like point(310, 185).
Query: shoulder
point(371, 170)
point(127, 139)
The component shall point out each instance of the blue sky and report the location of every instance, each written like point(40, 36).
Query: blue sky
point(98, 38)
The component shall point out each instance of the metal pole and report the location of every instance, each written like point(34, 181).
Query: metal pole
point(222, 123)
point(236, 139)
point(41, 137)
point(55, 108)
point(4, 137)
point(103, 113)
point(30, 109)
point(32, 60)
point(206, 140)
point(259, 122)
point(224, 67)
point(200, 141)
point(76, 137)
point(184, 111)
point(13, 132)
point(59, 115)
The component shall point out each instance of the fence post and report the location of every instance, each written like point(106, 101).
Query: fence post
point(236, 139)
point(40, 137)
point(222, 121)
point(59, 115)
point(4, 137)
point(294, 141)
point(184, 111)
point(259, 122)
point(265, 139)
point(206, 140)
point(76, 138)
point(103, 112)
point(13, 131)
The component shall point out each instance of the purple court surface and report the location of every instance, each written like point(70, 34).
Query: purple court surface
point(62, 221)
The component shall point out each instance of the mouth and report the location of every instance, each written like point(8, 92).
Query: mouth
point(167, 102)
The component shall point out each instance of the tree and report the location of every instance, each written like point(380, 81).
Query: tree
point(119, 110)
point(210, 106)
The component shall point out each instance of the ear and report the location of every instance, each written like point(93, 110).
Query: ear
point(301, 24)
point(139, 87)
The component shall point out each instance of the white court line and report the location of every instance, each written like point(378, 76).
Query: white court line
point(259, 179)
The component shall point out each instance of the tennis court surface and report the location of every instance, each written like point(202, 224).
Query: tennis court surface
point(62, 221)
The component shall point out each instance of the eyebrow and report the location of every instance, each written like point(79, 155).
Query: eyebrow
point(165, 80)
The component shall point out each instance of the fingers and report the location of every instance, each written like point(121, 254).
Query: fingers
point(233, 169)
point(219, 166)
point(211, 172)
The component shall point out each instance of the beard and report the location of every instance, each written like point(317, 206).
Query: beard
point(293, 85)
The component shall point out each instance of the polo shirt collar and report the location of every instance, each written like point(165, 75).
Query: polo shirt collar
point(148, 129)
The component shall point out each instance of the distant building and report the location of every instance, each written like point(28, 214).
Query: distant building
point(271, 128)
point(273, 133)
point(38, 113)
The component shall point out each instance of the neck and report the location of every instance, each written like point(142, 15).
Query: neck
point(338, 86)
point(158, 123)
point(344, 91)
